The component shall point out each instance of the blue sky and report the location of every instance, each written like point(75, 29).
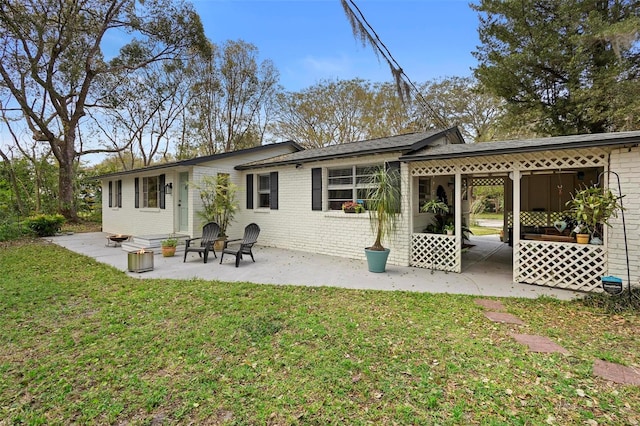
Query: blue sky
point(311, 40)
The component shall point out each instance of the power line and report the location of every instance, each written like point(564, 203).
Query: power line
point(367, 35)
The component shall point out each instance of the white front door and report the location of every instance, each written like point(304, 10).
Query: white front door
point(183, 202)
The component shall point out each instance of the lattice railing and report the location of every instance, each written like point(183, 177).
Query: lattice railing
point(435, 251)
point(488, 181)
point(536, 218)
point(503, 164)
point(562, 265)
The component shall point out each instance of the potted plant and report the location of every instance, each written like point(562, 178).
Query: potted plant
point(440, 210)
point(219, 205)
point(169, 247)
point(582, 233)
point(352, 207)
point(449, 228)
point(383, 203)
point(592, 207)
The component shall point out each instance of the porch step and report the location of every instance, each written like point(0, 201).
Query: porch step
point(152, 242)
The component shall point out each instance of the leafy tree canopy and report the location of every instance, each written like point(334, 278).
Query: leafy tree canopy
point(570, 66)
point(52, 56)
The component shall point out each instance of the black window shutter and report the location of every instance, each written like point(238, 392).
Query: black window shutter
point(250, 191)
point(161, 181)
point(273, 187)
point(136, 200)
point(119, 192)
point(395, 166)
point(316, 188)
point(110, 193)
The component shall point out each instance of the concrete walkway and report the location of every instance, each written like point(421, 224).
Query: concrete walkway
point(486, 269)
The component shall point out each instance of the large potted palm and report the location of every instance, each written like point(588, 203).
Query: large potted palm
point(383, 203)
point(219, 205)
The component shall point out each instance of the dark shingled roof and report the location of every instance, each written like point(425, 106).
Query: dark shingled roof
point(525, 145)
point(203, 159)
point(402, 143)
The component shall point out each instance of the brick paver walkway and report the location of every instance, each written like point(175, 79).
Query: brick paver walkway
point(607, 370)
point(503, 317)
point(539, 343)
point(616, 373)
point(494, 305)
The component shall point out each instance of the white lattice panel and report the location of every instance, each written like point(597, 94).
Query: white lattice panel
point(488, 181)
point(435, 251)
point(562, 265)
point(536, 218)
point(502, 164)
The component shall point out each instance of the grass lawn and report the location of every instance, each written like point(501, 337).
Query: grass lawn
point(483, 230)
point(82, 343)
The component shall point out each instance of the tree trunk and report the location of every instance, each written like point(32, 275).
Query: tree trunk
point(66, 204)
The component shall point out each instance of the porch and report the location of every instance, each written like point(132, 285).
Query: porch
point(537, 186)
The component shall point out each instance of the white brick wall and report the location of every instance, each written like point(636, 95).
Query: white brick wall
point(140, 221)
point(625, 162)
point(144, 221)
point(295, 226)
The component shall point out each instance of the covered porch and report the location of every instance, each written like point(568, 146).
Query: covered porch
point(537, 184)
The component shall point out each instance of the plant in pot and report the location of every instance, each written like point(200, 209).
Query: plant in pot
point(219, 204)
point(352, 207)
point(383, 203)
point(440, 210)
point(169, 247)
point(592, 207)
point(449, 228)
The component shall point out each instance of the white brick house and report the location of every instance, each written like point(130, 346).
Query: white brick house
point(158, 200)
point(295, 195)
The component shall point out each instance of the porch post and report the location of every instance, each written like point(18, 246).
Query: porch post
point(458, 219)
point(516, 207)
point(516, 220)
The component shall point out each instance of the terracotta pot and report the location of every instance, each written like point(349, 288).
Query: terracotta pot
point(582, 238)
point(219, 244)
point(168, 251)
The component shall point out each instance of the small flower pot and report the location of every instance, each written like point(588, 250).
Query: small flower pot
point(582, 238)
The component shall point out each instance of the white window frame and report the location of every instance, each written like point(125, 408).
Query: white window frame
point(147, 191)
point(264, 191)
point(356, 181)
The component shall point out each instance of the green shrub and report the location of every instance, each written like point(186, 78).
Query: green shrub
point(45, 225)
point(11, 230)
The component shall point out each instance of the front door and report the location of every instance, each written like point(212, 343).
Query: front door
point(183, 202)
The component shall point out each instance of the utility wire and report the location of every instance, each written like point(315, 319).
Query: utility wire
point(367, 35)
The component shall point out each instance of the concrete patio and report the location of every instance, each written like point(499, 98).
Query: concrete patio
point(486, 269)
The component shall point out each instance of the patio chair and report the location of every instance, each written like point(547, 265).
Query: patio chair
point(251, 232)
point(210, 233)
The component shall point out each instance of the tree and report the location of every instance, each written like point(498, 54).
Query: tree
point(143, 110)
point(230, 94)
point(463, 103)
point(334, 112)
point(569, 65)
point(53, 54)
